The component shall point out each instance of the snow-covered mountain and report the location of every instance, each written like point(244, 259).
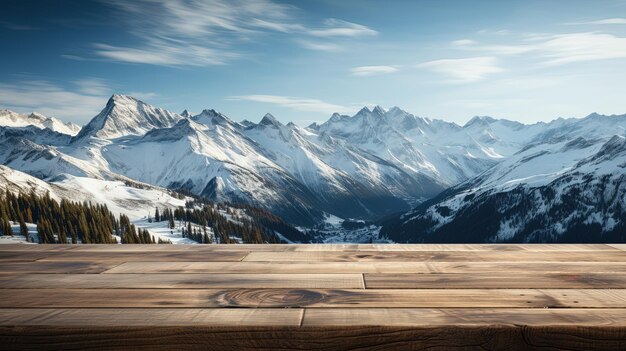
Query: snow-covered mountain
point(567, 184)
point(126, 116)
point(12, 119)
point(367, 166)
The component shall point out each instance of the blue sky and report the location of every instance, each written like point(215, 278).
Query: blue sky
point(529, 60)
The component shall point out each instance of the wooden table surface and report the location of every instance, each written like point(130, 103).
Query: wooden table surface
point(313, 297)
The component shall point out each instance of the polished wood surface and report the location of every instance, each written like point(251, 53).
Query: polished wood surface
point(308, 297)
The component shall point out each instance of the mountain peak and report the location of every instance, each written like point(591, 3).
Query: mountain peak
point(124, 115)
point(121, 99)
point(210, 116)
point(480, 120)
point(314, 126)
point(364, 110)
point(378, 110)
point(186, 113)
point(269, 120)
point(9, 118)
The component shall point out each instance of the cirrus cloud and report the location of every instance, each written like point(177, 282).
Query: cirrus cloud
point(210, 32)
point(464, 70)
point(295, 103)
point(372, 70)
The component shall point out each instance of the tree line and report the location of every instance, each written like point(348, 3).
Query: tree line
point(67, 222)
point(225, 230)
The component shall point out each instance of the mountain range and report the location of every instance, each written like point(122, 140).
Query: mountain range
point(425, 180)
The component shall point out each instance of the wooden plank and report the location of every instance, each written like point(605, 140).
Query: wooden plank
point(312, 298)
point(440, 256)
point(117, 256)
point(21, 255)
point(587, 297)
point(179, 248)
point(452, 247)
point(469, 247)
point(564, 247)
point(496, 281)
point(335, 338)
point(180, 281)
point(274, 267)
point(34, 247)
point(53, 267)
point(312, 317)
point(526, 267)
point(105, 317)
point(618, 246)
point(464, 317)
point(341, 247)
point(370, 267)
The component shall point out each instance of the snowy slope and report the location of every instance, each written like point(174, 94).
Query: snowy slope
point(135, 200)
point(12, 119)
point(569, 184)
point(338, 171)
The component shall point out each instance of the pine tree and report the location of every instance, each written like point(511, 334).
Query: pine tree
point(171, 219)
point(6, 227)
point(23, 227)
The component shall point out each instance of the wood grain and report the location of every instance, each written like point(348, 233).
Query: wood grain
point(181, 248)
point(465, 317)
point(179, 281)
point(370, 267)
point(312, 298)
point(125, 256)
point(198, 337)
point(525, 267)
point(495, 281)
point(441, 256)
point(273, 267)
point(22, 267)
point(150, 317)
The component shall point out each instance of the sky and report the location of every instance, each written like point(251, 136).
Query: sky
point(530, 61)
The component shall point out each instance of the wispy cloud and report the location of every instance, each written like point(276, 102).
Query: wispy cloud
point(75, 105)
point(601, 21)
point(339, 28)
point(92, 86)
point(196, 33)
point(207, 32)
point(372, 70)
point(320, 46)
point(296, 103)
point(468, 44)
point(279, 27)
point(578, 47)
point(465, 70)
point(162, 52)
point(556, 49)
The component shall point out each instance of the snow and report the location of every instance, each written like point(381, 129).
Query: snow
point(375, 154)
point(12, 119)
point(160, 230)
point(119, 197)
point(17, 238)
